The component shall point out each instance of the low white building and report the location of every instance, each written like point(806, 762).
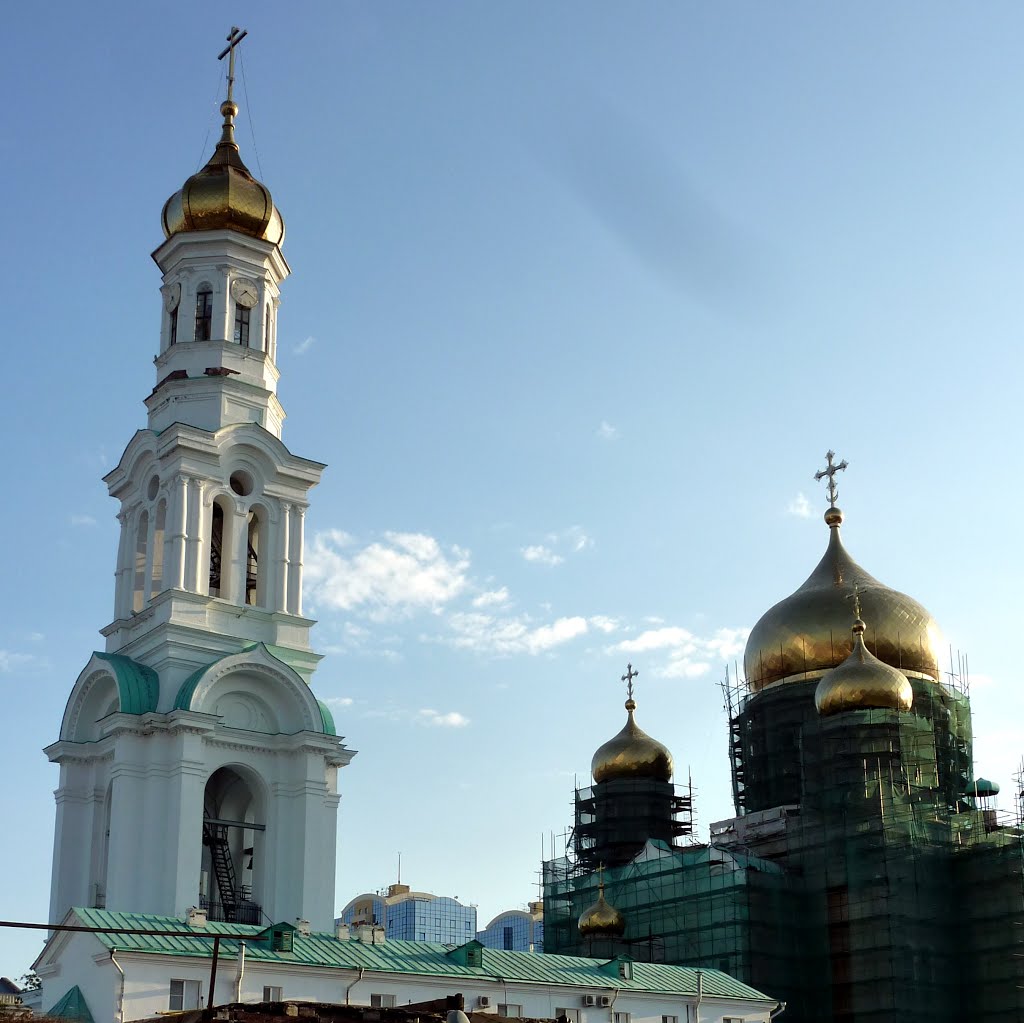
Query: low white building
point(134, 972)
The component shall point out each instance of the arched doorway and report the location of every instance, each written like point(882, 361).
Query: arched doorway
point(233, 832)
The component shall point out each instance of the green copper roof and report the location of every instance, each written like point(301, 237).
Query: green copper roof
point(72, 1006)
point(138, 686)
point(327, 717)
point(421, 958)
point(183, 701)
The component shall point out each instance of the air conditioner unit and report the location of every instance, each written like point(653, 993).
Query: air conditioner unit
point(589, 1000)
point(605, 1001)
point(484, 1002)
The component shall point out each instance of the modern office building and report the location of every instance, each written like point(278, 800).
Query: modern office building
point(516, 930)
point(406, 915)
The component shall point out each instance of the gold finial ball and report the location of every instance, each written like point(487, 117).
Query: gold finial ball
point(858, 627)
point(833, 516)
point(631, 704)
point(229, 108)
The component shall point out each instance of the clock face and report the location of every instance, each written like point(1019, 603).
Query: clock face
point(172, 296)
point(244, 292)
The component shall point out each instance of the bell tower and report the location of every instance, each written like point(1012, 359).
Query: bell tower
point(197, 767)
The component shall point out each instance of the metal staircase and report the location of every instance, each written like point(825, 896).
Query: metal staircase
point(215, 836)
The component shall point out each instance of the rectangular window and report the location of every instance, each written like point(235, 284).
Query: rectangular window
point(242, 325)
point(173, 327)
point(382, 1001)
point(204, 314)
point(507, 939)
point(509, 1011)
point(572, 1015)
point(185, 994)
point(622, 1017)
point(272, 993)
point(669, 1019)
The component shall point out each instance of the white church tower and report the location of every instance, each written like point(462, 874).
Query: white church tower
point(196, 766)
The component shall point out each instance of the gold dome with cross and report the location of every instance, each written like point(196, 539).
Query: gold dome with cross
point(808, 633)
point(224, 195)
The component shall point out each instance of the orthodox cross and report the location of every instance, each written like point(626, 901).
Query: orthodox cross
point(628, 679)
point(237, 35)
point(600, 878)
point(855, 597)
point(830, 472)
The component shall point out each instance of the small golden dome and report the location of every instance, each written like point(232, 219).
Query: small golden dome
point(805, 635)
point(602, 919)
point(631, 754)
point(224, 195)
point(861, 682)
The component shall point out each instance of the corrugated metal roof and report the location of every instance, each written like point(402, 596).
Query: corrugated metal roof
point(422, 958)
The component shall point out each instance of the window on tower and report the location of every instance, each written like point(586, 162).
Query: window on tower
point(204, 312)
point(172, 327)
point(242, 324)
point(252, 588)
point(139, 568)
point(216, 548)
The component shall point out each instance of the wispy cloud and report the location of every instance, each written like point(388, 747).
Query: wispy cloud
point(541, 555)
point(436, 719)
point(606, 431)
point(492, 598)
point(339, 701)
point(304, 346)
point(800, 507)
point(401, 573)
point(681, 653)
point(82, 520)
point(12, 661)
point(604, 624)
point(495, 635)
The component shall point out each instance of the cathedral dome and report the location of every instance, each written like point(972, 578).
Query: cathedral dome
point(601, 920)
point(862, 681)
point(632, 754)
point(224, 195)
point(805, 635)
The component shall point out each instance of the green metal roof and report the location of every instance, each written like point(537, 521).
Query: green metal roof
point(138, 686)
point(72, 1006)
point(327, 717)
point(422, 958)
point(183, 701)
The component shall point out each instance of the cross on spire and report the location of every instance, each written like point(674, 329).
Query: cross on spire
point(830, 472)
point(237, 35)
point(855, 597)
point(628, 679)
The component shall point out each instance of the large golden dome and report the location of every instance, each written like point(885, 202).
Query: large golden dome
point(861, 682)
point(224, 195)
point(632, 754)
point(807, 634)
point(602, 919)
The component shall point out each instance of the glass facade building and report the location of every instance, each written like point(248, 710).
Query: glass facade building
point(515, 930)
point(406, 915)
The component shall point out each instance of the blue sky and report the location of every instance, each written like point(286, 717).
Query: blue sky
point(581, 294)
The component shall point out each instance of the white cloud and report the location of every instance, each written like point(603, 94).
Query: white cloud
point(800, 507)
point(402, 573)
point(542, 555)
point(304, 346)
point(35, 637)
point(82, 520)
point(686, 655)
point(339, 701)
point(577, 538)
point(10, 661)
point(453, 719)
point(492, 598)
point(604, 624)
point(607, 432)
point(488, 634)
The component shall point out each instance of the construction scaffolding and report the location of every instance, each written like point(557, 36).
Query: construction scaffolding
point(865, 878)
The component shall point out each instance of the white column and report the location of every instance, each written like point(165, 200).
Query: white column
point(147, 574)
point(279, 599)
point(194, 537)
point(298, 515)
point(239, 552)
point(177, 509)
point(122, 587)
point(221, 325)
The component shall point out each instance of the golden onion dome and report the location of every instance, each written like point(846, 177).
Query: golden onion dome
point(805, 635)
point(862, 682)
point(224, 195)
point(631, 754)
point(602, 919)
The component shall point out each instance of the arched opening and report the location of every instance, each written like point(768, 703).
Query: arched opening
point(233, 843)
point(159, 538)
point(253, 576)
point(220, 549)
point(99, 893)
point(141, 547)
